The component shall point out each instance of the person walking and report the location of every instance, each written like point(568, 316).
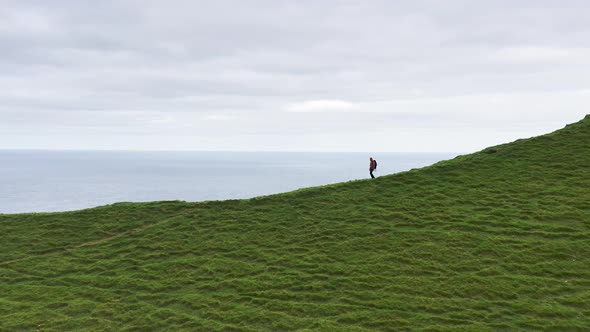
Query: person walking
point(372, 166)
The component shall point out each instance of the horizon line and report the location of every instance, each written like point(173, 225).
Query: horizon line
point(232, 151)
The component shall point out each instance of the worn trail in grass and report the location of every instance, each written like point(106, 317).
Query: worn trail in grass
point(496, 240)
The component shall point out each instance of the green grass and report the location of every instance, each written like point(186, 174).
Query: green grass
point(496, 240)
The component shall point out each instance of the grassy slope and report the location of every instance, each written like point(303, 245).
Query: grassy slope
point(488, 241)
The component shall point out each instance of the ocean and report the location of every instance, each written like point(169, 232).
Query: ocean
point(48, 181)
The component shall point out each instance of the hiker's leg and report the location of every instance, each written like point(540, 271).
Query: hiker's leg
point(371, 172)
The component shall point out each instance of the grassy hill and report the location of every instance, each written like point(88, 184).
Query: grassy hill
point(496, 240)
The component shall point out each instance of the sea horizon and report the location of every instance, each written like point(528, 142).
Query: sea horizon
point(65, 180)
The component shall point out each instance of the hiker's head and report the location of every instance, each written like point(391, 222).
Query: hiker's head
point(371, 158)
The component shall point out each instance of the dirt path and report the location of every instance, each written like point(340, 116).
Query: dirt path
point(99, 241)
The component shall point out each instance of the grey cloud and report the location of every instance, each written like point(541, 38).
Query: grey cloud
point(246, 62)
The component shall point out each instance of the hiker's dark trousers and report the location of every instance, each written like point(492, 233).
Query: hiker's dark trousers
point(371, 172)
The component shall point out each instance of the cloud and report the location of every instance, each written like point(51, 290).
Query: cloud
point(74, 72)
point(536, 55)
point(325, 105)
point(220, 117)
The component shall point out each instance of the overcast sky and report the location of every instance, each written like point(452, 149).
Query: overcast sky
point(290, 75)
